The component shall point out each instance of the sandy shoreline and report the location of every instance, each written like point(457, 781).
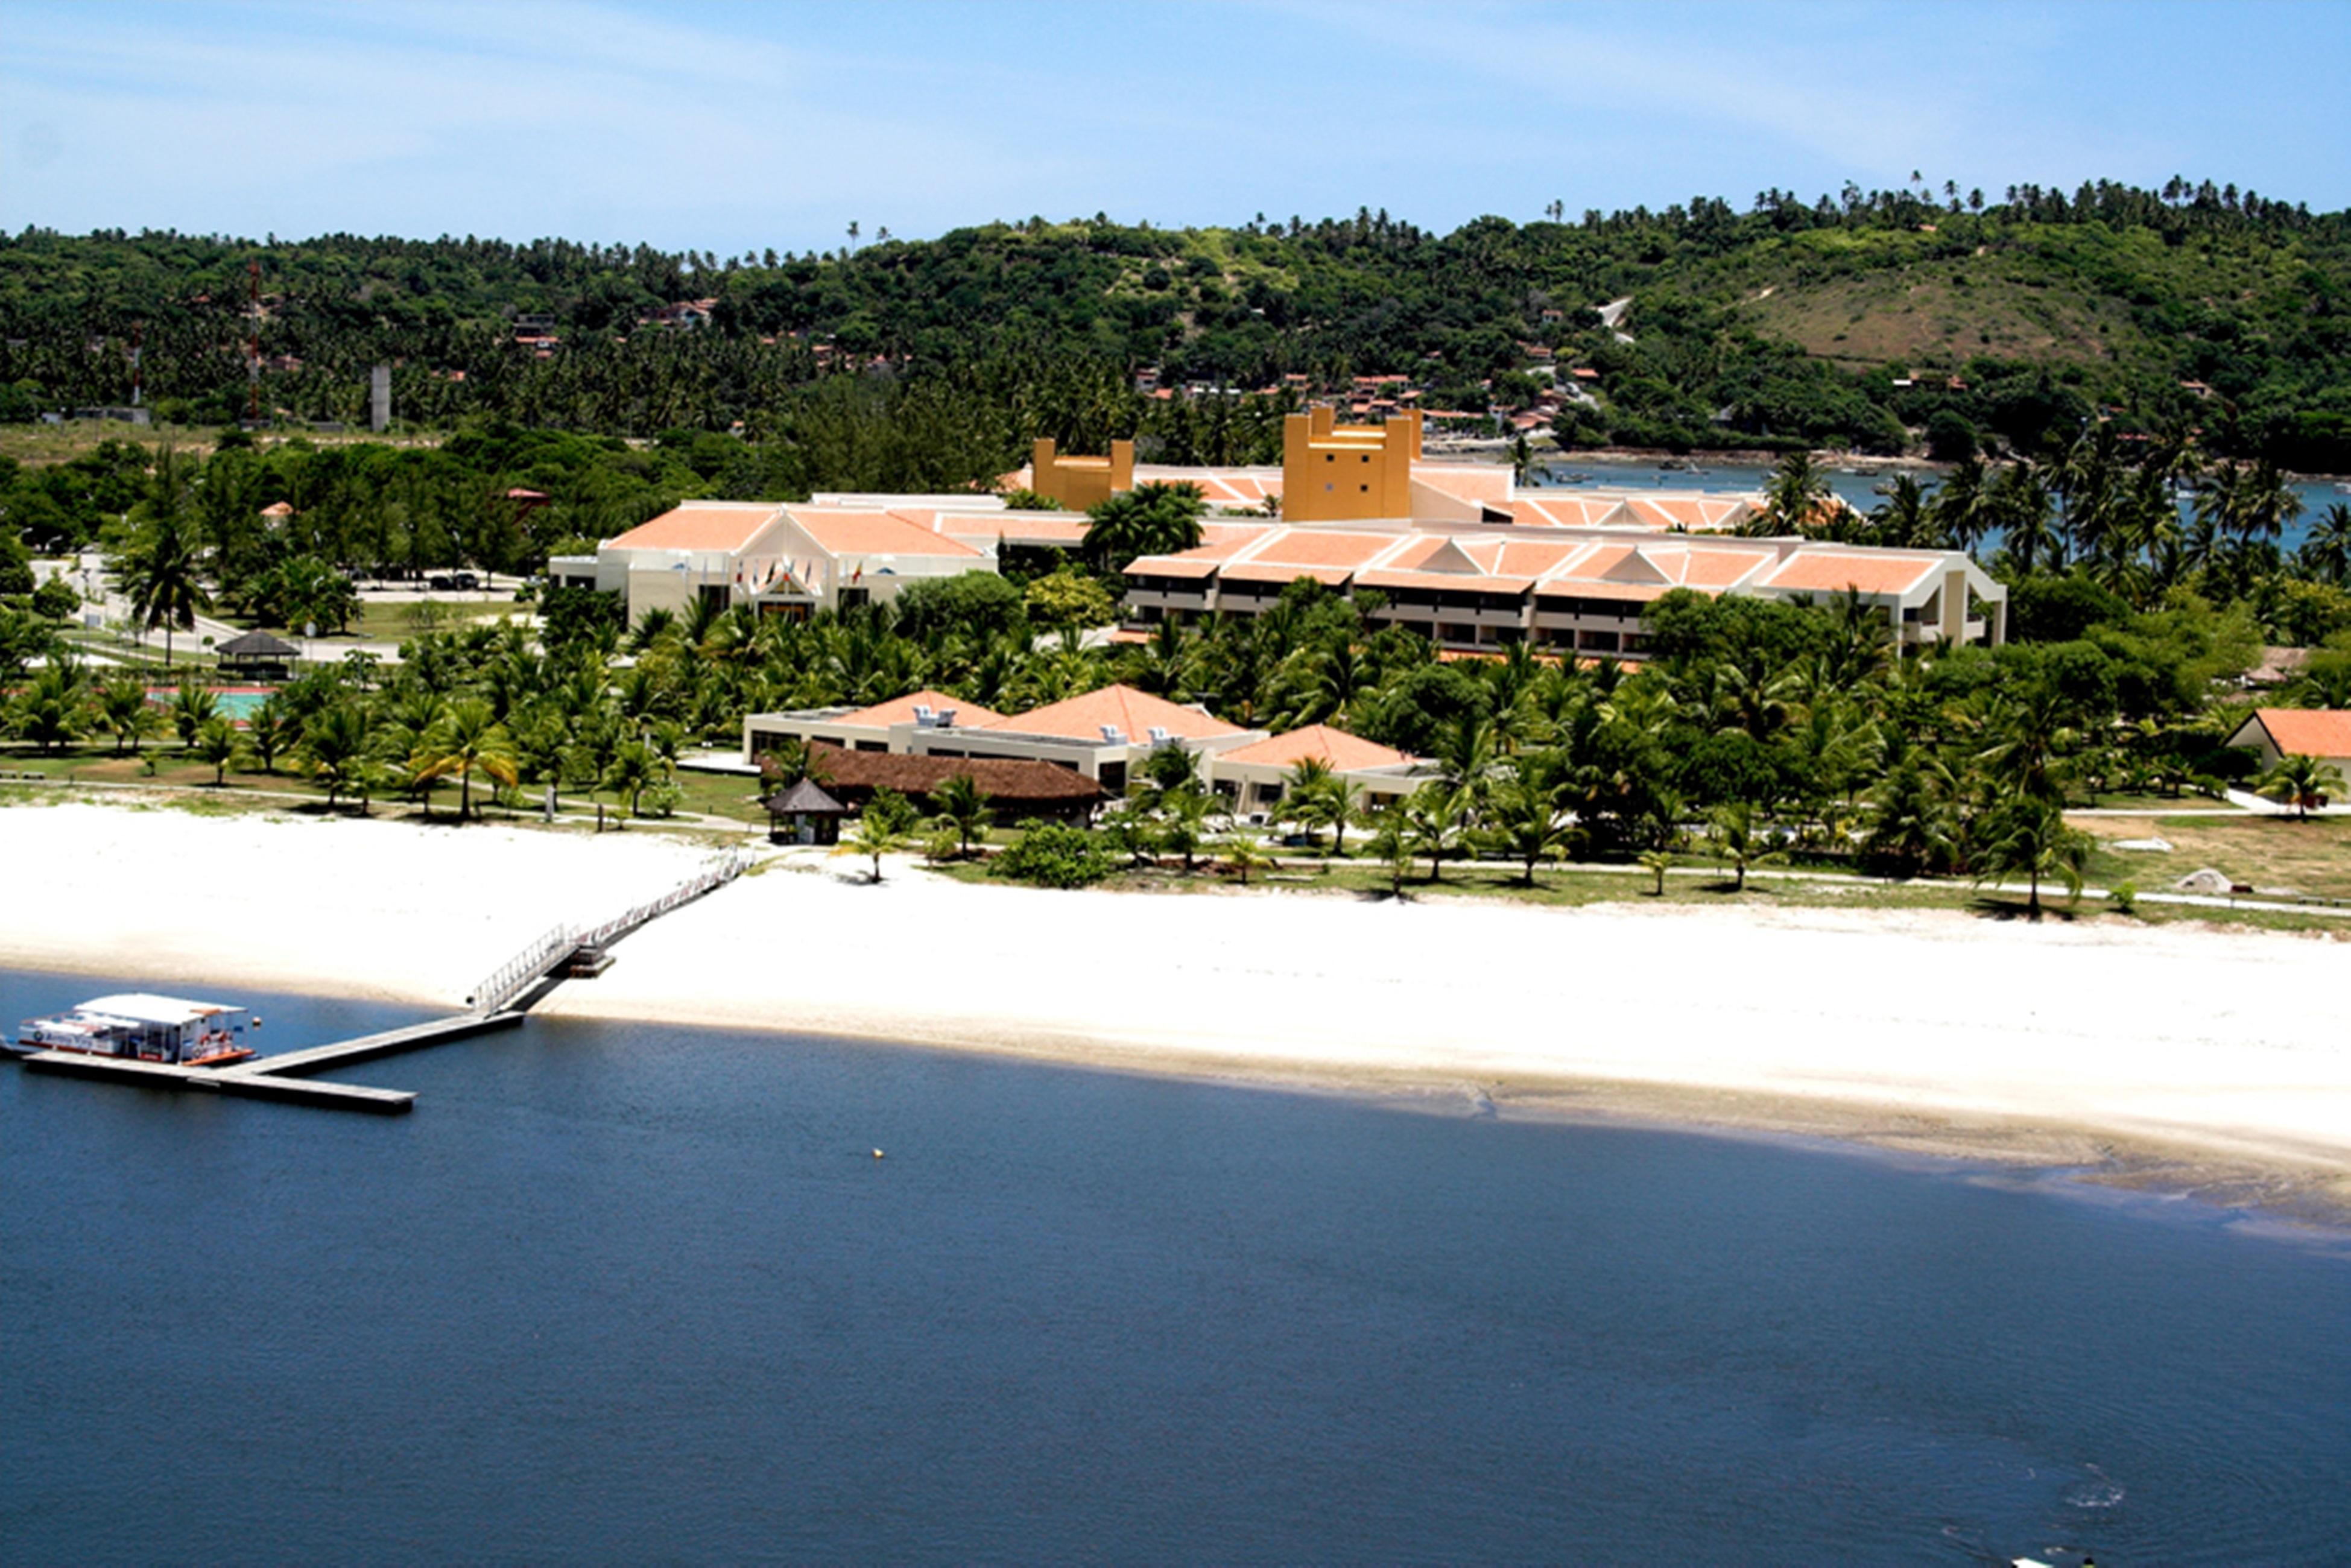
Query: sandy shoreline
point(2211, 1061)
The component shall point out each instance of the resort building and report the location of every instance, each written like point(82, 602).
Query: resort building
point(2274, 732)
point(1254, 777)
point(1563, 587)
point(1080, 483)
point(783, 559)
point(1102, 735)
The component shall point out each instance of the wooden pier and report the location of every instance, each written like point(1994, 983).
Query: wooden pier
point(500, 1001)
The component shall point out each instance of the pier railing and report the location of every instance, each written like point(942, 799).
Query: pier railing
point(716, 872)
point(510, 979)
point(527, 967)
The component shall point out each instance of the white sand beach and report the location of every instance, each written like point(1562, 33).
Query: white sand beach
point(2213, 1061)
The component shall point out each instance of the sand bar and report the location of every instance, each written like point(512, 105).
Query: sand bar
point(2217, 1060)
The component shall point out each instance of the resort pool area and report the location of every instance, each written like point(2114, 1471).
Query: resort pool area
point(234, 704)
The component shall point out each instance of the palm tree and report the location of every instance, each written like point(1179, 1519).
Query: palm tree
point(2029, 838)
point(468, 739)
point(1432, 823)
point(158, 571)
point(272, 729)
point(1317, 798)
point(123, 707)
point(338, 749)
point(219, 743)
point(1150, 520)
point(2327, 553)
point(1739, 840)
point(192, 708)
point(1390, 844)
point(1656, 862)
point(2300, 781)
point(884, 828)
point(1527, 823)
point(962, 803)
point(1245, 854)
point(54, 707)
point(1797, 496)
point(632, 770)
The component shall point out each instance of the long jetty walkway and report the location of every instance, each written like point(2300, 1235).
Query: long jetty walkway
point(500, 1001)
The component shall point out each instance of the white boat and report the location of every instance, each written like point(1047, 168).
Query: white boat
point(142, 1027)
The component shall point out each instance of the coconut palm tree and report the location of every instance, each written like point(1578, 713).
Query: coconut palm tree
point(219, 743)
point(271, 730)
point(338, 749)
point(2327, 553)
point(1796, 497)
point(1433, 818)
point(632, 770)
point(123, 708)
point(2029, 838)
point(1740, 840)
point(159, 567)
point(2300, 781)
point(884, 827)
point(963, 804)
point(54, 708)
point(467, 739)
point(1525, 818)
point(1390, 844)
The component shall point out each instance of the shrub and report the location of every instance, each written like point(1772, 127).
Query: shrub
point(1053, 855)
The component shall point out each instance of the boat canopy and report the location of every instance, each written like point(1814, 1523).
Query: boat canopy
point(142, 1007)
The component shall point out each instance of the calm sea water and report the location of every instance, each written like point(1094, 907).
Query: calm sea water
point(1860, 489)
point(621, 1293)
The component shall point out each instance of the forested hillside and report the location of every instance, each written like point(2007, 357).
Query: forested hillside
point(1845, 322)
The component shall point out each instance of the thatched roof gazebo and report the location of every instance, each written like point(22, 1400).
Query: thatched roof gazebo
point(804, 814)
point(257, 655)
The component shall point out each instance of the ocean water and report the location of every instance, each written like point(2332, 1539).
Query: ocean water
point(1859, 489)
point(618, 1293)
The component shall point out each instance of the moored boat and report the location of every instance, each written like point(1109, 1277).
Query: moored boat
point(142, 1027)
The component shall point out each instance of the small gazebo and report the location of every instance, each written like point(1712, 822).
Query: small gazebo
point(258, 656)
point(804, 814)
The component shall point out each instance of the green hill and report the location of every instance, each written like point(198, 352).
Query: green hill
point(1787, 324)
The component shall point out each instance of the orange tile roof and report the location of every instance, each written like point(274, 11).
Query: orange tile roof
point(1834, 571)
point(1318, 546)
point(1465, 482)
point(2308, 731)
point(1136, 714)
point(704, 525)
point(901, 710)
point(1173, 565)
point(1063, 530)
point(1563, 511)
point(1336, 746)
point(840, 532)
point(1686, 511)
point(1533, 557)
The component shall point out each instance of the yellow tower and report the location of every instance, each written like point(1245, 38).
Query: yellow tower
point(1081, 484)
point(1339, 472)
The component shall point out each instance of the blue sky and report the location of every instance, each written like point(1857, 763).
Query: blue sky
point(729, 127)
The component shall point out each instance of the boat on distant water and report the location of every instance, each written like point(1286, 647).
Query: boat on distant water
point(141, 1027)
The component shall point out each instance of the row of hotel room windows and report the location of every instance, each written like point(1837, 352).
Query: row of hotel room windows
point(1457, 633)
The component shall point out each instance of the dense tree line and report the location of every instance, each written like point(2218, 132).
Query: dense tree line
point(2240, 293)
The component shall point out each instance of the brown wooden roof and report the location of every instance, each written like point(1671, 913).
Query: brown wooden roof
point(1004, 779)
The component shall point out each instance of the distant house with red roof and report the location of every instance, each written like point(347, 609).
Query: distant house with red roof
point(2272, 733)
